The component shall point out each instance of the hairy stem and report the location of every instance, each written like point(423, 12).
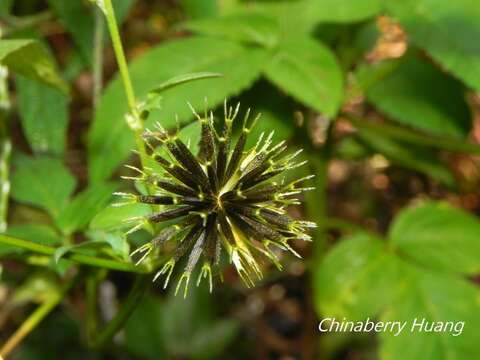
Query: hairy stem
point(141, 284)
point(34, 319)
point(135, 123)
point(79, 258)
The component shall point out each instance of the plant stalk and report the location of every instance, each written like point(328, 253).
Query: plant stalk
point(79, 258)
point(135, 122)
point(34, 319)
point(407, 135)
point(5, 148)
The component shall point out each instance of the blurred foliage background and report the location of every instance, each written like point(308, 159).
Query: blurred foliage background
point(383, 96)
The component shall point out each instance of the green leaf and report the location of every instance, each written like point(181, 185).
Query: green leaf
point(440, 236)
point(357, 279)
point(435, 298)
point(87, 247)
point(78, 213)
point(110, 139)
point(117, 241)
point(30, 58)
point(401, 288)
point(448, 30)
point(342, 11)
point(181, 79)
point(419, 95)
point(42, 182)
point(309, 72)
point(115, 218)
point(44, 115)
point(253, 28)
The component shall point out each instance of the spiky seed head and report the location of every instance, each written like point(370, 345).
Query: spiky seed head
point(225, 199)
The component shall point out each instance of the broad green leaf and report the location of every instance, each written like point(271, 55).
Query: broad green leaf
point(364, 268)
point(413, 157)
point(309, 72)
point(78, 213)
point(357, 279)
point(116, 218)
point(30, 58)
point(110, 140)
point(42, 182)
point(43, 113)
point(439, 236)
point(433, 297)
point(246, 27)
point(447, 30)
point(420, 96)
point(342, 11)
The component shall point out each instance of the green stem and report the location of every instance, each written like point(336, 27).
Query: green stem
point(5, 149)
point(79, 258)
point(136, 123)
point(403, 134)
point(142, 283)
point(35, 318)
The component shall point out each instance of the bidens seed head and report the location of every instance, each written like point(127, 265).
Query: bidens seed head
point(226, 199)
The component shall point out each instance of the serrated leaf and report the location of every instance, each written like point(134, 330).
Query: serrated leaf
point(438, 236)
point(308, 71)
point(439, 298)
point(110, 139)
point(447, 30)
point(43, 113)
point(366, 269)
point(31, 59)
point(253, 28)
point(78, 213)
point(417, 94)
point(357, 279)
point(42, 182)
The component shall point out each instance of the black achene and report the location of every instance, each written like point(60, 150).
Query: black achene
point(226, 197)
